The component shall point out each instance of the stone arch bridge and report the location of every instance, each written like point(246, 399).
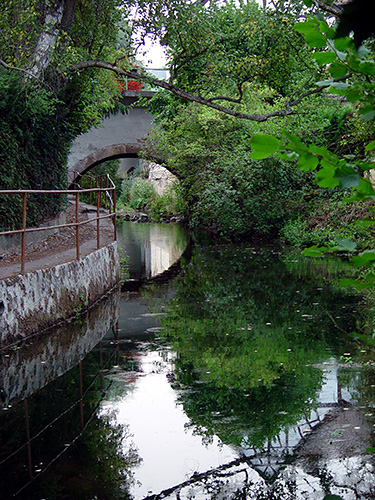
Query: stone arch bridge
point(119, 136)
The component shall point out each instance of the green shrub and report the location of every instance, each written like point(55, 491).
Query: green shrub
point(296, 233)
point(329, 219)
point(33, 151)
point(141, 194)
point(167, 204)
point(241, 197)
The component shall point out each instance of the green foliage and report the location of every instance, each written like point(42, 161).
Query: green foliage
point(241, 197)
point(327, 222)
point(141, 195)
point(166, 205)
point(219, 47)
point(341, 60)
point(227, 192)
point(41, 115)
point(33, 149)
point(352, 76)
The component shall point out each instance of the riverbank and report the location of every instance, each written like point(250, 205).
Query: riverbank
point(57, 285)
point(130, 215)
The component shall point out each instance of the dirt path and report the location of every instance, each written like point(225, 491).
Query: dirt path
point(60, 247)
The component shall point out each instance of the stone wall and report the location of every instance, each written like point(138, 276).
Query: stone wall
point(38, 300)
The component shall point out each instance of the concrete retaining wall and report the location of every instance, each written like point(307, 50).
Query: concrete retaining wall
point(38, 300)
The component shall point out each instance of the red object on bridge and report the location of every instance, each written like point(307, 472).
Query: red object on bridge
point(134, 85)
point(129, 84)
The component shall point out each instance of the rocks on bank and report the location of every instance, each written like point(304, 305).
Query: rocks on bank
point(140, 217)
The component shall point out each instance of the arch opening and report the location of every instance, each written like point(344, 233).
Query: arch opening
point(113, 152)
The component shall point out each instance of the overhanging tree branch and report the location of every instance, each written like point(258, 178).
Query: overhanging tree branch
point(15, 68)
point(333, 9)
point(288, 110)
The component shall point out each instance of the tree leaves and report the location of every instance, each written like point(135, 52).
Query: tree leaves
point(264, 145)
point(323, 58)
point(312, 35)
point(337, 69)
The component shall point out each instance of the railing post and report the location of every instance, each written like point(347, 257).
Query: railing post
point(77, 228)
point(98, 195)
point(23, 235)
point(114, 215)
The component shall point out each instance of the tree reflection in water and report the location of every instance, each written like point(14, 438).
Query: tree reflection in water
point(248, 332)
point(71, 450)
point(248, 325)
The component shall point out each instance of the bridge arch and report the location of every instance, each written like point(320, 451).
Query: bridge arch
point(111, 152)
point(120, 135)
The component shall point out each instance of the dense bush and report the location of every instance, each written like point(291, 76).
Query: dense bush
point(242, 197)
point(33, 148)
point(327, 221)
point(141, 195)
point(168, 204)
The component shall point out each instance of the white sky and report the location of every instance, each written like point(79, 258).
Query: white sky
point(155, 57)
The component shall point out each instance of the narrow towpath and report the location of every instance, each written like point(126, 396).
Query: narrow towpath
point(60, 247)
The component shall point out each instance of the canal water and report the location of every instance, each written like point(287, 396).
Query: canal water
point(240, 378)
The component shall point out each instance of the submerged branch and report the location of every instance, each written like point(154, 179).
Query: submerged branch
point(196, 477)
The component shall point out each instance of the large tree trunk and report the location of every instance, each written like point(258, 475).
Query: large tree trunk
point(46, 40)
point(68, 15)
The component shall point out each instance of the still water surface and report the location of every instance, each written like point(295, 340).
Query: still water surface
point(151, 248)
point(237, 379)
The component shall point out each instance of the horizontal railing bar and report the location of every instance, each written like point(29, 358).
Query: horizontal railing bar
point(54, 191)
point(70, 224)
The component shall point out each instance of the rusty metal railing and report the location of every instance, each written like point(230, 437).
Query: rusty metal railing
point(105, 188)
